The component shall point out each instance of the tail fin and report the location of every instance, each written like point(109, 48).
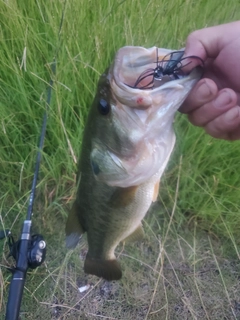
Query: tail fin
point(107, 269)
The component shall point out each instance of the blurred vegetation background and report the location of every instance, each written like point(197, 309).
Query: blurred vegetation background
point(92, 31)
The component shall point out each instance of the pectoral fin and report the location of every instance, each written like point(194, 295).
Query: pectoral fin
point(156, 191)
point(137, 235)
point(122, 197)
point(73, 228)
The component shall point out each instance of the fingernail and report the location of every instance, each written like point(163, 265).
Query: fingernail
point(222, 100)
point(232, 114)
point(204, 90)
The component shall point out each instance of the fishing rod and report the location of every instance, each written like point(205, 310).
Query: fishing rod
point(30, 250)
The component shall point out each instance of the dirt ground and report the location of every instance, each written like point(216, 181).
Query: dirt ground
point(175, 272)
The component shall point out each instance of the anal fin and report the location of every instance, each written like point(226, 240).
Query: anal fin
point(136, 235)
point(73, 228)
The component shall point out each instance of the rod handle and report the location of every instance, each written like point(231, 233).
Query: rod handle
point(17, 282)
point(15, 295)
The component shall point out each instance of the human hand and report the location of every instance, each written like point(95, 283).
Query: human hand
point(214, 102)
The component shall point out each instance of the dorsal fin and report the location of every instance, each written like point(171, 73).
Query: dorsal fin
point(73, 228)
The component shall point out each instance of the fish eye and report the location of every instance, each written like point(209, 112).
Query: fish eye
point(103, 107)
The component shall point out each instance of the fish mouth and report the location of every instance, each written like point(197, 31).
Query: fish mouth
point(142, 68)
point(138, 72)
point(147, 87)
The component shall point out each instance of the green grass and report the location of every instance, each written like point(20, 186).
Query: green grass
point(187, 267)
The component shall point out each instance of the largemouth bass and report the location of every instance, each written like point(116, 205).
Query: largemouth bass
point(126, 146)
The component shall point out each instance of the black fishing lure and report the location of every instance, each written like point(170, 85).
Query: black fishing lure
point(167, 69)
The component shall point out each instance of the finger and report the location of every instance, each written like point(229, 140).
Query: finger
point(208, 42)
point(204, 91)
point(226, 126)
point(225, 100)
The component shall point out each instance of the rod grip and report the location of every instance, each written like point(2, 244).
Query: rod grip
point(17, 282)
point(15, 295)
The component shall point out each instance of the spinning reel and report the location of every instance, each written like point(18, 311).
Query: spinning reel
point(36, 250)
